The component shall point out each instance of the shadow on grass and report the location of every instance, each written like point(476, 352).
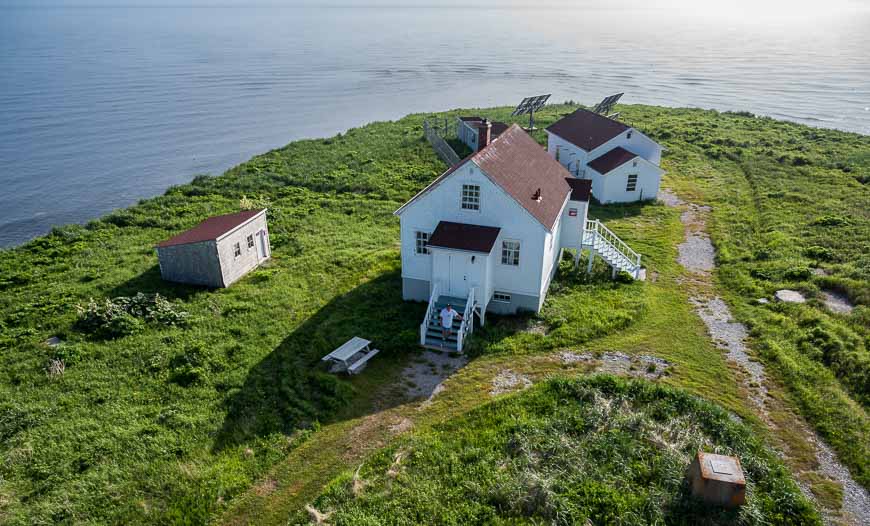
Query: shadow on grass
point(290, 388)
point(619, 210)
point(150, 282)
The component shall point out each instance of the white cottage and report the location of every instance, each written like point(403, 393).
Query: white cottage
point(477, 132)
point(621, 162)
point(487, 235)
point(218, 251)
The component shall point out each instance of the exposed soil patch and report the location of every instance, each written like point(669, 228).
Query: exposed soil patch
point(837, 302)
point(697, 255)
point(425, 375)
point(789, 296)
point(643, 366)
point(507, 381)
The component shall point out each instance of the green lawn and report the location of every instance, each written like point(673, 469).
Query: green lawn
point(119, 438)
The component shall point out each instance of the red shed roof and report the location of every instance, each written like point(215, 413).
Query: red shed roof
point(212, 228)
point(612, 159)
point(462, 236)
point(586, 129)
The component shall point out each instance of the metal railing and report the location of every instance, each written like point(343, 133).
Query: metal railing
point(467, 325)
point(429, 310)
point(596, 231)
point(444, 151)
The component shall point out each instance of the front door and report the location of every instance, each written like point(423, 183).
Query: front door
point(459, 275)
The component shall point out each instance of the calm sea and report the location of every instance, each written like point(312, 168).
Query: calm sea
point(100, 107)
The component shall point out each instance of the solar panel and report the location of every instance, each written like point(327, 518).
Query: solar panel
point(607, 104)
point(530, 105)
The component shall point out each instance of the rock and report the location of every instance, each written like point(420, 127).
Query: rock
point(762, 301)
point(789, 296)
point(837, 302)
point(54, 341)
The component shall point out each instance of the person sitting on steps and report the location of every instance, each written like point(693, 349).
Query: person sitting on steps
point(447, 316)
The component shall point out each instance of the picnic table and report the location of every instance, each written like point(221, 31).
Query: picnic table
point(352, 356)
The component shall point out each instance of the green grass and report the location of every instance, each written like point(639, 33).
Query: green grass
point(117, 438)
point(598, 450)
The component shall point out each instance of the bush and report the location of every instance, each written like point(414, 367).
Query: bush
point(194, 365)
point(819, 253)
point(123, 316)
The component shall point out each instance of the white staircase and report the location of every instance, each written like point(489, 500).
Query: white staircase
point(603, 243)
point(431, 335)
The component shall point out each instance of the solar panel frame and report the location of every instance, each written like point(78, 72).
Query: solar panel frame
point(530, 105)
point(607, 103)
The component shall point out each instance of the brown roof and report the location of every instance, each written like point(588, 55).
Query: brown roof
point(461, 236)
point(520, 166)
point(612, 159)
point(498, 128)
point(587, 129)
point(580, 188)
point(211, 228)
point(470, 119)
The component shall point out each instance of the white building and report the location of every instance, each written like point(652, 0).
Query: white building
point(218, 251)
point(477, 132)
point(621, 162)
point(487, 235)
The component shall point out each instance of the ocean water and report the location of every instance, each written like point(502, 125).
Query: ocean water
point(100, 107)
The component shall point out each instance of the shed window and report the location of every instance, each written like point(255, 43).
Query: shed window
point(631, 186)
point(470, 197)
point(501, 297)
point(510, 253)
point(237, 250)
point(250, 241)
point(421, 238)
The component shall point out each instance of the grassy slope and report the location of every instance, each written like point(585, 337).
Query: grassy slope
point(115, 440)
point(596, 450)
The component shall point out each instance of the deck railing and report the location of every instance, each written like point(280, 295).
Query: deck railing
point(606, 235)
point(467, 325)
point(429, 310)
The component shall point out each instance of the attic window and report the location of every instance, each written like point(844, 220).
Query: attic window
point(470, 197)
point(628, 135)
point(634, 163)
point(632, 183)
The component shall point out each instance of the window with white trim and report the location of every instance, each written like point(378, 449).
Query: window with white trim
point(420, 242)
point(628, 135)
point(470, 197)
point(237, 250)
point(634, 163)
point(510, 253)
point(631, 186)
point(501, 297)
point(250, 241)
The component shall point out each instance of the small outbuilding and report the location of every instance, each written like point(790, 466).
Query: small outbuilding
point(218, 251)
point(478, 132)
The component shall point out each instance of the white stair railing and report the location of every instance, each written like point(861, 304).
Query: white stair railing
point(429, 310)
point(467, 325)
point(602, 240)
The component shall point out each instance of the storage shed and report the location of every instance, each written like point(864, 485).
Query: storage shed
point(218, 251)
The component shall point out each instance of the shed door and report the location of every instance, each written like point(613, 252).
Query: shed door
point(262, 246)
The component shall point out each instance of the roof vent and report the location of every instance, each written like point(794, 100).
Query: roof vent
point(537, 197)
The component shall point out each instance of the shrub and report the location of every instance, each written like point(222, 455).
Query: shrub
point(123, 316)
point(829, 220)
point(797, 273)
point(819, 253)
point(194, 365)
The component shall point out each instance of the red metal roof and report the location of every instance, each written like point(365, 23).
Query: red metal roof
point(211, 228)
point(587, 129)
point(521, 167)
point(612, 159)
point(580, 188)
point(462, 236)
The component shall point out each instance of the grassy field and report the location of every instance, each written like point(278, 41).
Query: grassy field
point(176, 422)
point(597, 450)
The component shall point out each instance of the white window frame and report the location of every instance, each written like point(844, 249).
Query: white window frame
point(237, 249)
point(508, 251)
point(501, 297)
point(473, 203)
point(250, 241)
point(629, 187)
point(418, 236)
point(628, 135)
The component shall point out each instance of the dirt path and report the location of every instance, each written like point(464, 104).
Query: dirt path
point(697, 255)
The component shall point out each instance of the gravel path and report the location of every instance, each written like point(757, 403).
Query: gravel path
point(697, 255)
point(425, 376)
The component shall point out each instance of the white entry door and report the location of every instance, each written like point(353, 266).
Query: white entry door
point(450, 270)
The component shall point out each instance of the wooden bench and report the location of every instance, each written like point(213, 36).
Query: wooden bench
point(352, 356)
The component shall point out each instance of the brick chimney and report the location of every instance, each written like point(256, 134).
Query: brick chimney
point(484, 134)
